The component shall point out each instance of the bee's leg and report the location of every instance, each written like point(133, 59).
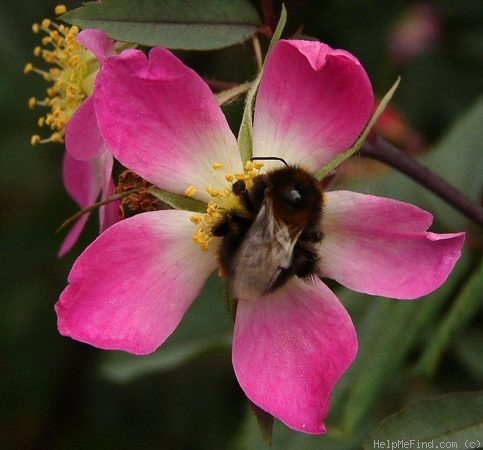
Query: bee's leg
point(232, 228)
point(305, 256)
point(239, 188)
point(304, 262)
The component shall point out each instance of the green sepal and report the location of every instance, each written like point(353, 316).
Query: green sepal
point(245, 135)
point(338, 160)
point(178, 201)
point(265, 422)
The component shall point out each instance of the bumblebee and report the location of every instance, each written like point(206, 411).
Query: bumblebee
point(276, 235)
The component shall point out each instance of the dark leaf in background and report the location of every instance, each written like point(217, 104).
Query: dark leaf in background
point(455, 418)
point(175, 24)
point(465, 306)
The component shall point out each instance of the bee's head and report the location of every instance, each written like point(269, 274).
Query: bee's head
point(295, 195)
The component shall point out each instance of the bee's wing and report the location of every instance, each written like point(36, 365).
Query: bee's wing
point(266, 249)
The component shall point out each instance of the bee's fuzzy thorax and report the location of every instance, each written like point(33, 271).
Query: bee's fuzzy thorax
point(288, 198)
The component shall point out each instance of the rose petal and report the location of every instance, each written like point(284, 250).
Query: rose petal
point(289, 350)
point(312, 103)
point(83, 185)
point(82, 138)
point(132, 285)
point(160, 119)
point(97, 42)
point(380, 246)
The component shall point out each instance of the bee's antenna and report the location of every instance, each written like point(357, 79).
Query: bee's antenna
point(268, 158)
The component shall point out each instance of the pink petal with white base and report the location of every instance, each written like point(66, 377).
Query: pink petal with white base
point(82, 137)
point(131, 287)
point(289, 350)
point(380, 246)
point(312, 103)
point(83, 185)
point(160, 119)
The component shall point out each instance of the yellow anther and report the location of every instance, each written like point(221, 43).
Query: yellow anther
point(240, 176)
point(41, 121)
point(37, 51)
point(249, 166)
point(60, 9)
point(35, 28)
point(257, 164)
point(32, 102)
point(46, 23)
point(28, 68)
point(190, 191)
point(213, 192)
point(57, 137)
point(211, 209)
point(201, 238)
point(35, 139)
point(229, 177)
point(195, 219)
point(217, 166)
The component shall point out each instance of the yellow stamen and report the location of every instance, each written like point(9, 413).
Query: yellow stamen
point(213, 192)
point(190, 191)
point(60, 9)
point(35, 139)
point(28, 68)
point(223, 200)
point(71, 65)
point(195, 219)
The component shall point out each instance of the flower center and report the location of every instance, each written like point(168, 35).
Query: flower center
point(141, 199)
point(222, 201)
point(71, 75)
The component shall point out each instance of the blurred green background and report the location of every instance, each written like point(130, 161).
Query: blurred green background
point(60, 394)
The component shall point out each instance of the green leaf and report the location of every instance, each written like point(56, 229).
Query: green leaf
point(389, 331)
point(175, 24)
point(465, 306)
point(245, 134)
point(205, 328)
point(468, 350)
point(458, 157)
point(454, 418)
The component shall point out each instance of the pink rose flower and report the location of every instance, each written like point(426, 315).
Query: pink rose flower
point(131, 287)
point(87, 168)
